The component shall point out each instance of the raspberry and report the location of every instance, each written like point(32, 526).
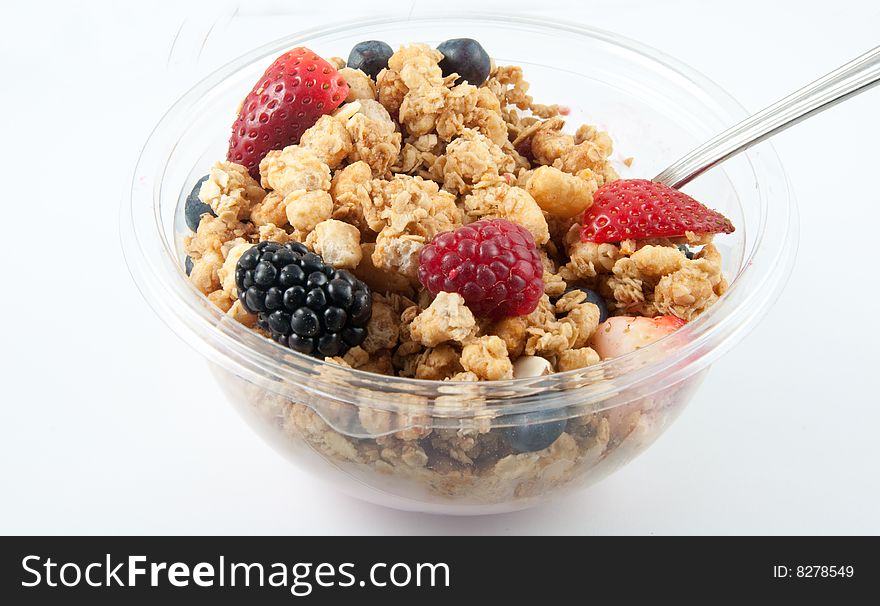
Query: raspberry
point(493, 264)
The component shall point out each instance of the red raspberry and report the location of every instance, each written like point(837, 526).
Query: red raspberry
point(493, 264)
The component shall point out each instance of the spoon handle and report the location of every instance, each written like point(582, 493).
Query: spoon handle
point(850, 79)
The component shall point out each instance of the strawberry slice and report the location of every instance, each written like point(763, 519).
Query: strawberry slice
point(296, 90)
point(620, 335)
point(636, 209)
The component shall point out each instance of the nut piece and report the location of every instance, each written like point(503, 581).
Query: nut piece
point(561, 194)
point(447, 319)
point(337, 242)
point(531, 366)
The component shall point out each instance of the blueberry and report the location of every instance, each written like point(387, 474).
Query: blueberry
point(531, 433)
point(467, 58)
point(195, 208)
point(188, 265)
point(595, 298)
point(370, 56)
point(687, 252)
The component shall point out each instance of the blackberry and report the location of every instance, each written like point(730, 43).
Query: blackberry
point(301, 301)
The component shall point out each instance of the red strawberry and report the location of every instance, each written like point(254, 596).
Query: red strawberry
point(635, 209)
point(620, 335)
point(296, 90)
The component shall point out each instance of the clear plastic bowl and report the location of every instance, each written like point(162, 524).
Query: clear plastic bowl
point(376, 436)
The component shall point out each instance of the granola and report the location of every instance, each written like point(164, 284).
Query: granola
point(406, 156)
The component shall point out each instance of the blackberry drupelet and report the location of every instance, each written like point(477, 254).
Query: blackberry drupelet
point(301, 301)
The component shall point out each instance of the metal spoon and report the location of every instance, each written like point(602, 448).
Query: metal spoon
point(850, 79)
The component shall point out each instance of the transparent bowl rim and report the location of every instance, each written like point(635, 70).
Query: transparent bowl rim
point(157, 273)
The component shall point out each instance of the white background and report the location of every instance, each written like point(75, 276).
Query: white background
point(110, 424)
